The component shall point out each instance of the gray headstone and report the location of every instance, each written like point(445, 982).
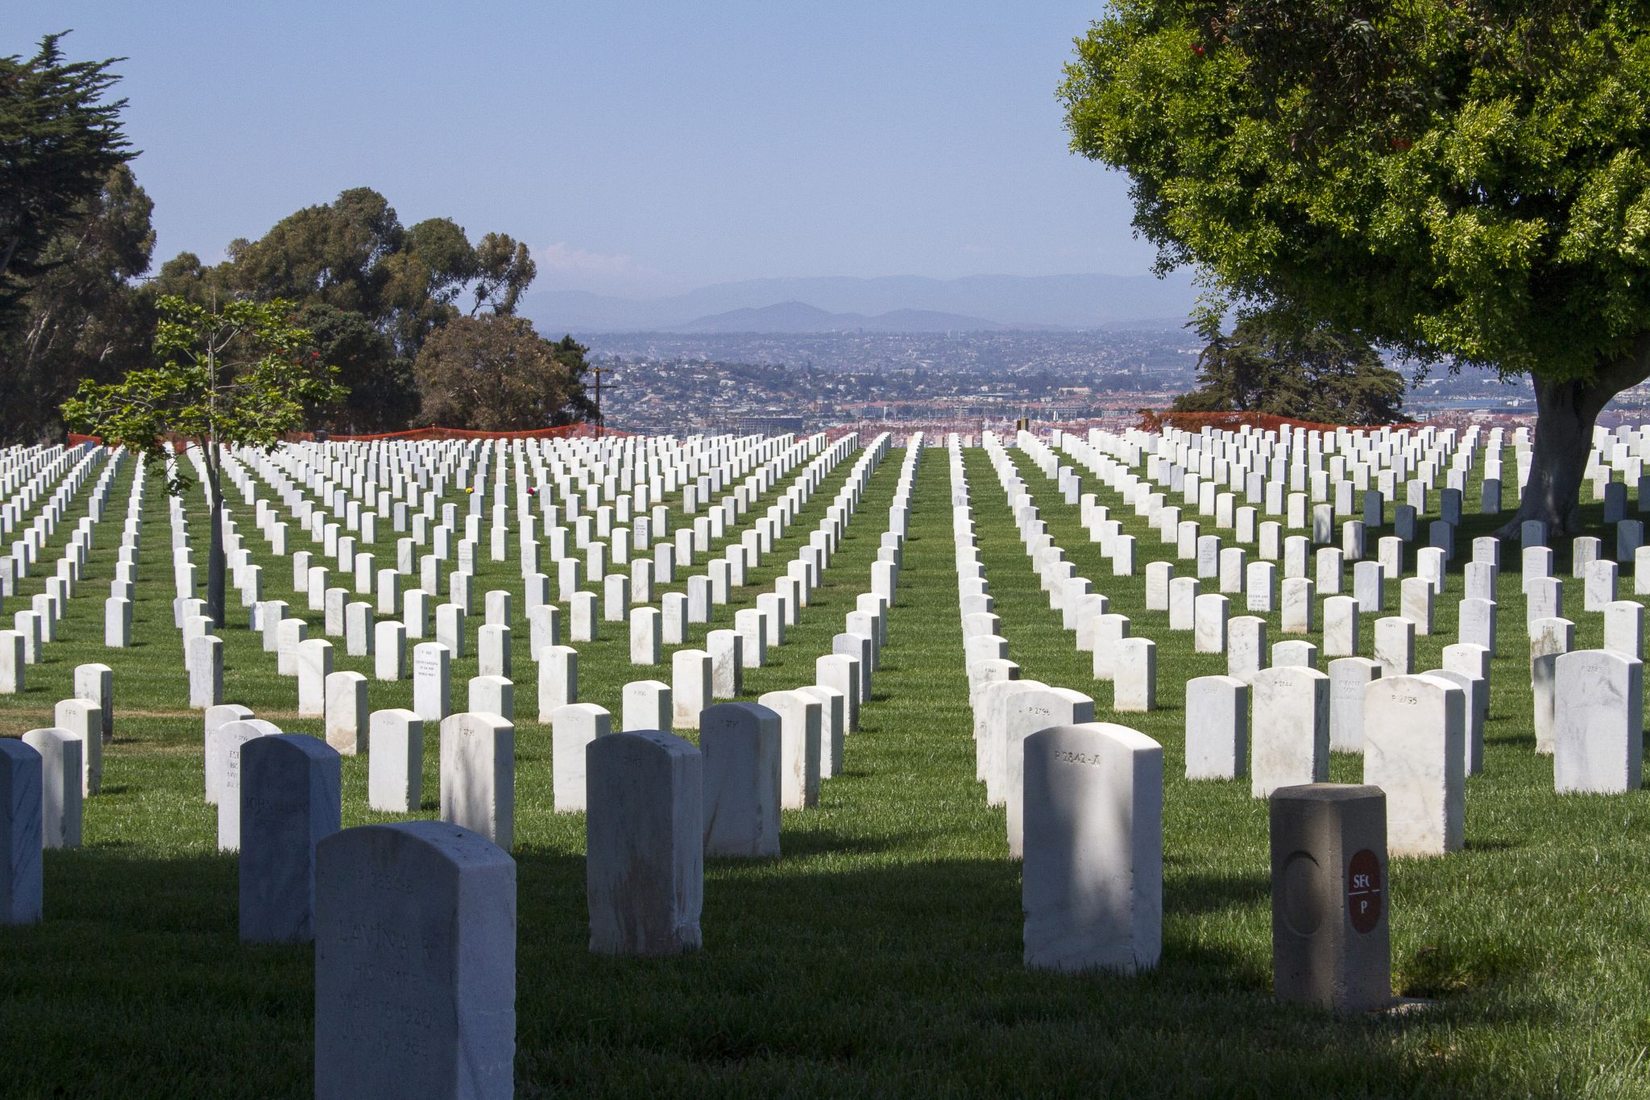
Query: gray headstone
point(290, 800)
point(21, 881)
point(644, 829)
point(741, 747)
point(415, 964)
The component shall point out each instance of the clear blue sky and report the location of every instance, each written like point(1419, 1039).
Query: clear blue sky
point(637, 148)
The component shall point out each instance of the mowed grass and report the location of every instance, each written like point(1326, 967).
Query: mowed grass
point(881, 954)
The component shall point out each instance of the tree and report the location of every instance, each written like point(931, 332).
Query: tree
point(1466, 181)
point(79, 316)
point(495, 374)
point(1278, 363)
point(59, 140)
point(371, 291)
point(235, 376)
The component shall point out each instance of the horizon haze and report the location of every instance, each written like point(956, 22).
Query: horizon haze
point(641, 151)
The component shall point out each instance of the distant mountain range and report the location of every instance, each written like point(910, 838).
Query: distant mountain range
point(796, 317)
point(902, 303)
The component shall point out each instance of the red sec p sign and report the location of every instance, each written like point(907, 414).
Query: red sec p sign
point(1363, 890)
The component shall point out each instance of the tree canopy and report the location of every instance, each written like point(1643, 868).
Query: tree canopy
point(59, 140)
point(240, 375)
point(1273, 362)
point(1467, 181)
point(370, 290)
point(497, 374)
point(79, 316)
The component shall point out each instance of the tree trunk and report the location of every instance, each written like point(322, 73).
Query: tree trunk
point(215, 564)
point(1565, 415)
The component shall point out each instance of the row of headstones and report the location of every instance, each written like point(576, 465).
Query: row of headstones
point(727, 649)
point(1007, 710)
point(844, 677)
point(36, 627)
point(312, 580)
point(248, 577)
point(45, 777)
point(204, 650)
point(60, 471)
point(698, 675)
point(1394, 638)
point(648, 526)
point(398, 1013)
point(1129, 662)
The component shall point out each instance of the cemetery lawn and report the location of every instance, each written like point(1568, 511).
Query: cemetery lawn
point(882, 953)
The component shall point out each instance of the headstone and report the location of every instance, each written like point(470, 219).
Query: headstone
point(801, 741)
point(61, 766)
point(741, 747)
point(1548, 639)
point(1349, 678)
point(1289, 729)
point(346, 711)
point(21, 795)
point(1414, 750)
point(478, 775)
point(290, 801)
point(1092, 883)
point(1217, 727)
point(1598, 731)
point(645, 846)
point(1134, 686)
point(314, 666)
point(646, 705)
point(432, 681)
point(84, 720)
point(572, 728)
point(415, 964)
point(558, 679)
point(395, 761)
point(223, 757)
point(690, 688)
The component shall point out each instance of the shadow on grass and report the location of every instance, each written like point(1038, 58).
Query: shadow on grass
point(892, 974)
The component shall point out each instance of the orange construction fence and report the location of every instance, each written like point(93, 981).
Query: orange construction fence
point(1231, 421)
point(569, 431)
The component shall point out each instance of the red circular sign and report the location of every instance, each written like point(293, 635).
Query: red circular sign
point(1363, 891)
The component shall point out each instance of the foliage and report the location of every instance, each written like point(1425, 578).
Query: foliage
point(238, 376)
point(371, 290)
point(241, 376)
point(1275, 362)
point(79, 316)
point(59, 140)
point(1457, 178)
point(495, 373)
point(1462, 180)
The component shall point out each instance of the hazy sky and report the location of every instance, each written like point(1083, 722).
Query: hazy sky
point(637, 148)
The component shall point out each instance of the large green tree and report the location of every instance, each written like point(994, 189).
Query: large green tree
point(1467, 181)
point(239, 375)
point(1278, 363)
point(370, 290)
point(80, 316)
point(496, 374)
point(59, 140)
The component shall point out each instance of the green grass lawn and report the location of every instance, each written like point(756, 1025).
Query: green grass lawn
point(881, 954)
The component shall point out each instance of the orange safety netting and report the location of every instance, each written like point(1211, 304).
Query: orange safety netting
point(570, 431)
point(1231, 421)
